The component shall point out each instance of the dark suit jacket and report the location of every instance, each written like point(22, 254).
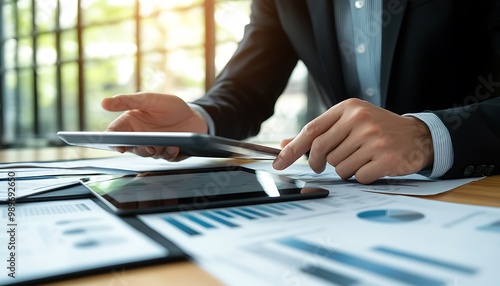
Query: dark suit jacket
point(436, 55)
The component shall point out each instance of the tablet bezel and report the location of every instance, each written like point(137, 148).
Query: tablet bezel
point(299, 192)
point(191, 144)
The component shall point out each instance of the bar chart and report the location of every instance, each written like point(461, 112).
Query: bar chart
point(200, 222)
point(336, 266)
point(348, 239)
point(342, 257)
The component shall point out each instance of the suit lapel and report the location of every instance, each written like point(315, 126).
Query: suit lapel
point(326, 42)
point(392, 19)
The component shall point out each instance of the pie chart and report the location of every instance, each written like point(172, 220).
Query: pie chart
point(390, 216)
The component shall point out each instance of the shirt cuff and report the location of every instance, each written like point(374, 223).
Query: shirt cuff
point(441, 142)
point(206, 116)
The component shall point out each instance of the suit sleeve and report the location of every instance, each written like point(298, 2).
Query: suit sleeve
point(475, 128)
point(245, 92)
point(475, 135)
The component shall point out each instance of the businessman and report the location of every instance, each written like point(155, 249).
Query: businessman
point(413, 86)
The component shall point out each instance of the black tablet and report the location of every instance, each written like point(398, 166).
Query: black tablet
point(191, 144)
point(196, 189)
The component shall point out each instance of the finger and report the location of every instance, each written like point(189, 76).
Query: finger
point(123, 102)
point(345, 149)
point(325, 144)
point(171, 153)
point(121, 149)
point(291, 152)
point(122, 123)
point(317, 156)
point(302, 143)
point(371, 171)
point(167, 152)
point(348, 167)
point(179, 158)
point(143, 151)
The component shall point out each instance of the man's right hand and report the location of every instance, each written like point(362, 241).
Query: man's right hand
point(153, 112)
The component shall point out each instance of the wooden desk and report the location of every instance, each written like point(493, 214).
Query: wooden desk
point(485, 192)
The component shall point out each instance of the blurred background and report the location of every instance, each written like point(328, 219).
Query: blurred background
point(60, 58)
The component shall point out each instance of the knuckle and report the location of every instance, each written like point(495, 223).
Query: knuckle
point(382, 143)
point(363, 179)
point(391, 164)
point(332, 159)
point(366, 177)
point(289, 151)
point(319, 145)
point(340, 171)
point(360, 113)
point(310, 129)
point(352, 102)
point(343, 172)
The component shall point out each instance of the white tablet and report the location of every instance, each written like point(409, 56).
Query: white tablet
point(191, 144)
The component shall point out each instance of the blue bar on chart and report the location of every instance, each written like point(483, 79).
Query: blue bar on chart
point(387, 271)
point(224, 214)
point(254, 212)
point(286, 206)
point(299, 206)
point(198, 221)
point(494, 227)
point(242, 214)
point(218, 219)
point(290, 261)
point(329, 275)
point(184, 228)
point(278, 207)
point(270, 211)
point(426, 260)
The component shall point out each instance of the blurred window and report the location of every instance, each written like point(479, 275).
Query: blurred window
point(60, 58)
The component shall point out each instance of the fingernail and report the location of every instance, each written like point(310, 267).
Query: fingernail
point(278, 163)
point(172, 151)
point(151, 151)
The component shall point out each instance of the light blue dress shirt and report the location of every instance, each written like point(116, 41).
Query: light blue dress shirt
point(358, 25)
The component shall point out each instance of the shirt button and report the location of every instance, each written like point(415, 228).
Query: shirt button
point(488, 170)
point(361, 48)
point(468, 171)
point(370, 91)
point(359, 4)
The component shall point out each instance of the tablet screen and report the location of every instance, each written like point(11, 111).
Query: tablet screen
point(196, 189)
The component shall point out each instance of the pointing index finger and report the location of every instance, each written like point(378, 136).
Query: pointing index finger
point(303, 142)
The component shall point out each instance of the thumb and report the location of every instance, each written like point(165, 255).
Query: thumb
point(123, 102)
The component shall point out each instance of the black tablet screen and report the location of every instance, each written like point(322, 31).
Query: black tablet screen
point(197, 189)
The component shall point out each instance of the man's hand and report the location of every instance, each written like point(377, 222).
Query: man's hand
point(152, 112)
point(364, 140)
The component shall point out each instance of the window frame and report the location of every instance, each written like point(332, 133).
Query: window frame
point(81, 60)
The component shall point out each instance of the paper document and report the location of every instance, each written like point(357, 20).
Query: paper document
point(32, 181)
point(54, 238)
point(39, 177)
point(125, 162)
point(349, 238)
point(25, 188)
point(415, 184)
